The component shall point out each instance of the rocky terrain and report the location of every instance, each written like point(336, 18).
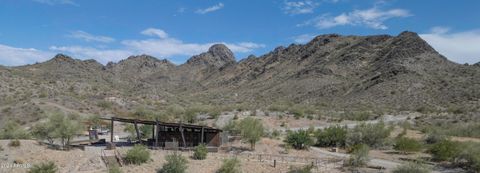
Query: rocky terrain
point(331, 71)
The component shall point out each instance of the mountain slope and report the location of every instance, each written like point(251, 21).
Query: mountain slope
point(398, 72)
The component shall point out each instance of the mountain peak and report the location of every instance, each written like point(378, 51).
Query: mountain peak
point(218, 55)
point(141, 61)
point(142, 57)
point(62, 58)
point(413, 42)
point(408, 34)
point(221, 51)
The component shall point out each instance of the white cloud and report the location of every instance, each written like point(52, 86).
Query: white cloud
point(210, 9)
point(299, 7)
point(164, 46)
point(12, 56)
point(89, 37)
point(460, 47)
point(303, 38)
point(101, 55)
point(55, 2)
point(372, 18)
point(155, 32)
point(242, 47)
point(160, 45)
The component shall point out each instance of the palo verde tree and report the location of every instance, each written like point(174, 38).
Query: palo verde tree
point(58, 126)
point(251, 130)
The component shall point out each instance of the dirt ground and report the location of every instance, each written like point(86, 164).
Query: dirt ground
point(89, 161)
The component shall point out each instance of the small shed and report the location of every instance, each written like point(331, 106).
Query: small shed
point(164, 134)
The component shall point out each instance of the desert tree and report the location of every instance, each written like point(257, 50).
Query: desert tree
point(251, 130)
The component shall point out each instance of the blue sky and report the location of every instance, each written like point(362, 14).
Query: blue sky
point(110, 30)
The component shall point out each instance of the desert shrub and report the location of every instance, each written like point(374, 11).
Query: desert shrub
point(456, 109)
point(299, 139)
point(278, 107)
point(142, 113)
point(191, 114)
point(200, 152)
point(434, 137)
point(46, 167)
point(137, 155)
point(94, 120)
point(251, 130)
point(14, 143)
point(303, 169)
point(444, 150)
point(105, 104)
point(464, 130)
point(469, 156)
point(176, 163)
point(332, 136)
point(457, 128)
point(232, 165)
point(64, 127)
point(358, 115)
point(214, 113)
point(275, 133)
point(297, 112)
point(44, 131)
point(145, 131)
point(232, 127)
point(253, 112)
point(358, 156)
point(12, 130)
point(373, 135)
point(57, 126)
point(406, 145)
point(310, 117)
point(1, 148)
point(130, 129)
point(411, 168)
point(114, 169)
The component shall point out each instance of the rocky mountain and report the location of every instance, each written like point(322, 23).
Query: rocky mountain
point(400, 72)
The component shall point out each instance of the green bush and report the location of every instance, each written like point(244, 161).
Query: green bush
point(299, 139)
point(232, 165)
point(12, 130)
point(47, 167)
point(304, 169)
point(334, 136)
point(358, 116)
point(58, 126)
point(358, 156)
point(444, 150)
point(137, 155)
point(232, 127)
point(14, 143)
point(114, 169)
point(251, 130)
point(176, 163)
point(145, 131)
point(406, 145)
point(469, 156)
point(200, 152)
point(373, 135)
point(275, 133)
point(105, 104)
point(434, 137)
point(297, 113)
point(411, 168)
